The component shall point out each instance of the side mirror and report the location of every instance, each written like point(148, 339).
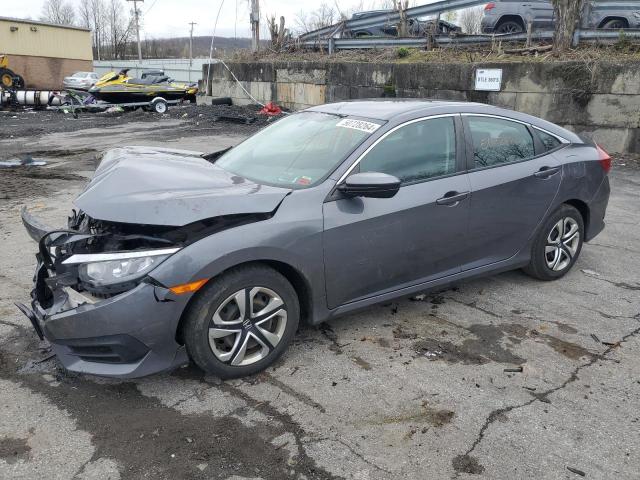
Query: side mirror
point(370, 184)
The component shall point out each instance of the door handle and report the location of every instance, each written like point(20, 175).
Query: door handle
point(451, 199)
point(546, 172)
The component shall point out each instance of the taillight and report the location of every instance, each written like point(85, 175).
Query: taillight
point(604, 158)
point(489, 6)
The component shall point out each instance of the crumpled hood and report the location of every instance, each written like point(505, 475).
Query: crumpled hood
point(162, 186)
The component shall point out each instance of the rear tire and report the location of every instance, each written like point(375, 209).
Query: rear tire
point(557, 245)
point(509, 26)
point(241, 322)
point(615, 24)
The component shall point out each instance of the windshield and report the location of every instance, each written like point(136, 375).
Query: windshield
point(79, 75)
point(298, 151)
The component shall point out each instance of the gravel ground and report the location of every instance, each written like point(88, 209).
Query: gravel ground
point(501, 377)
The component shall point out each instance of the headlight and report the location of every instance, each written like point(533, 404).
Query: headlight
point(118, 271)
point(105, 269)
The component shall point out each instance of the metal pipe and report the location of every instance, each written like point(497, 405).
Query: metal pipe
point(35, 98)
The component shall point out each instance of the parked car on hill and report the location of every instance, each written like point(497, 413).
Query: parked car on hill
point(512, 16)
point(416, 27)
point(173, 254)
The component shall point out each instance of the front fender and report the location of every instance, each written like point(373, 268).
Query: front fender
point(293, 236)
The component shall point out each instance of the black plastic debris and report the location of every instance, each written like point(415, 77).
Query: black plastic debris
point(576, 471)
point(514, 370)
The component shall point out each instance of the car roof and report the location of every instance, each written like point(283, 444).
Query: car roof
point(403, 109)
point(386, 108)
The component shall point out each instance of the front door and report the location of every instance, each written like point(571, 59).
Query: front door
point(373, 246)
point(513, 183)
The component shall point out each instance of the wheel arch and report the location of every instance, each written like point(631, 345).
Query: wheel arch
point(511, 18)
point(297, 279)
point(614, 17)
point(584, 210)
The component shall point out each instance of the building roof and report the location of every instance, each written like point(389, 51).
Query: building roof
point(35, 22)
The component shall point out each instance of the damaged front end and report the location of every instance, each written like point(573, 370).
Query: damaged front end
point(95, 304)
point(95, 299)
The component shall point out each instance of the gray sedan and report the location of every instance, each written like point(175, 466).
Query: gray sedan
point(218, 257)
point(80, 80)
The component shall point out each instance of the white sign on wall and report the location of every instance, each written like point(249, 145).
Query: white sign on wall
point(489, 79)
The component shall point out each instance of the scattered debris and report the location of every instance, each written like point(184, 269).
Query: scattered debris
point(514, 370)
point(24, 162)
point(595, 338)
point(271, 110)
point(576, 471)
point(591, 273)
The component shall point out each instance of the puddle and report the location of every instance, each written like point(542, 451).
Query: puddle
point(436, 417)
point(485, 347)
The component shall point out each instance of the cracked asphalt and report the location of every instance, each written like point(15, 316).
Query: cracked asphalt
point(502, 377)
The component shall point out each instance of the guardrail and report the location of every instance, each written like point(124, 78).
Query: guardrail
point(581, 35)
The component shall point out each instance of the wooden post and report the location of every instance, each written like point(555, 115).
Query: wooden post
point(529, 32)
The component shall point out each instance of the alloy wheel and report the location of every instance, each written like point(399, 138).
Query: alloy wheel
point(247, 326)
point(563, 242)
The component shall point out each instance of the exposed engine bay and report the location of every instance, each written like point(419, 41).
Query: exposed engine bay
point(107, 258)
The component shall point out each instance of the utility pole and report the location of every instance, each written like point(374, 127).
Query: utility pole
point(191, 43)
point(254, 18)
point(191, 48)
point(137, 14)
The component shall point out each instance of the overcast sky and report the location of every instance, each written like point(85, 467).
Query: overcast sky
point(170, 18)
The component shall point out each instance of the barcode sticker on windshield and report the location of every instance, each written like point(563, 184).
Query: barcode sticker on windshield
point(358, 125)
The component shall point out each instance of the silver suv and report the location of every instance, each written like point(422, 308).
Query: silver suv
point(511, 16)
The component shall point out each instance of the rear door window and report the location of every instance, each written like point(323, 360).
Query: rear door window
point(498, 141)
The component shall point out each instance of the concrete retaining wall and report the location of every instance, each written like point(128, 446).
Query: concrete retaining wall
point(601, 100)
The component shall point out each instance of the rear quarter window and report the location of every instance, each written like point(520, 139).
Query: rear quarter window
point(548, 141)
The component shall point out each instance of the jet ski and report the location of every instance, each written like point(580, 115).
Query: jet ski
point(121, 88)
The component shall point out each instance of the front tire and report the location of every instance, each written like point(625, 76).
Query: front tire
point(241, 322)
point(557, 245)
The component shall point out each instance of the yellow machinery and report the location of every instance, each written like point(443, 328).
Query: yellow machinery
point(8, 78)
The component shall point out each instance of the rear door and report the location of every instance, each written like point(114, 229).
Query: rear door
point(513, 182)
point(377, 245)
point(541, 13)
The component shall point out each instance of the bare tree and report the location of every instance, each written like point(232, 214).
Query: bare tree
point(321, 17)
point(403, 24)
point(58, 12)
point(567, 14)
point(470, 20)
point(119, 25)
point(277, 32)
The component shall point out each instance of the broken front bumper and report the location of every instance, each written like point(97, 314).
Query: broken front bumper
point(128, 335)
